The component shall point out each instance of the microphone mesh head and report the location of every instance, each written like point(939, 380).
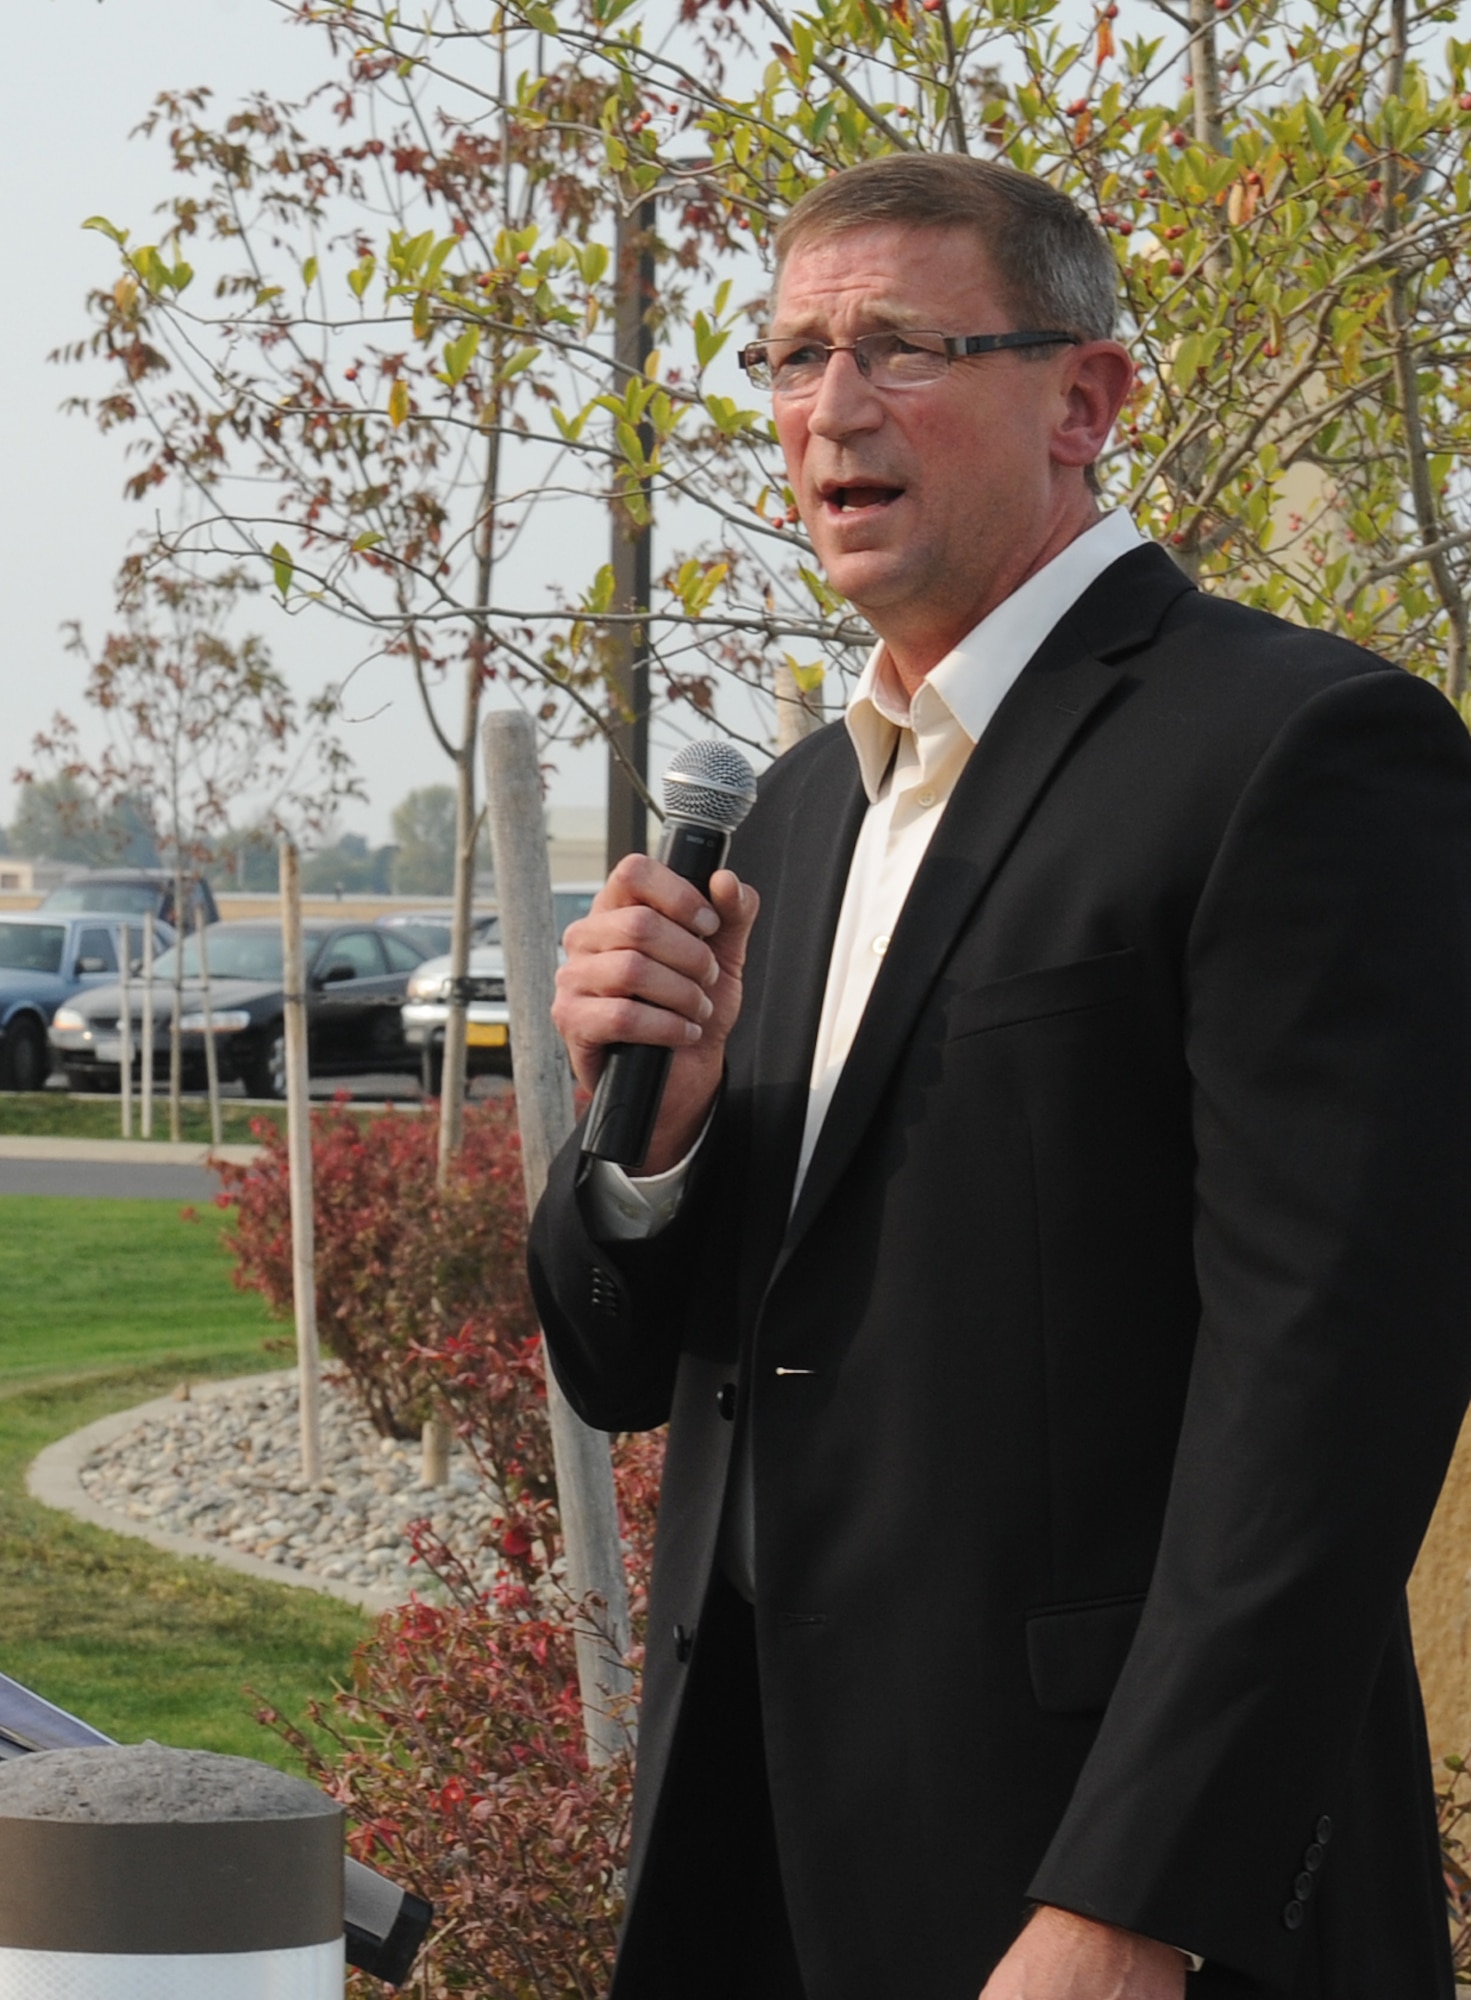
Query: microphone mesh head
point(711, 782)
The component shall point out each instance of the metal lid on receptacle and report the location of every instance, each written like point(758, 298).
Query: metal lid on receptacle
point(137, 1849)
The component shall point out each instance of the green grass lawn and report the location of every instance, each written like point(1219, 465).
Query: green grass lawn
point(98, 1285)
point(52, 1114)
point(104, 1304)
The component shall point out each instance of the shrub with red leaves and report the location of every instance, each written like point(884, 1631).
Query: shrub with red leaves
point(420, 1290)
point(458, 1754)
point(458, 1748)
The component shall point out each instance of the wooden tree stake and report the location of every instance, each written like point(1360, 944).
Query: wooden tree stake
point(584, 1466)
point(299, 1158)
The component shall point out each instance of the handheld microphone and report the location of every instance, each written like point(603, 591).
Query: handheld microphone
point(708, 790)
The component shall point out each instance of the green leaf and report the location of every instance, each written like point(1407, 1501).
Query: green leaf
point(398, 402)
point(808, 678)
point(369, 539)
point(592, 262)
point(309, 272)
point(570, 427)
point(119, 236)
point(282, 568)
point(458, 354)
point(359, 280)
point(600, 596)
point(518, 363)
point(727, 415)
point(826, 600)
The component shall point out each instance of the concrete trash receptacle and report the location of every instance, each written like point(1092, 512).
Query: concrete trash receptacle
point(139, 1873)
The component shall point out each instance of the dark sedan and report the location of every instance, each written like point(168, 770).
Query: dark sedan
point(356, 978)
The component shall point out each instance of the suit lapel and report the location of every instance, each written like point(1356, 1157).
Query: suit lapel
point(1061, 690)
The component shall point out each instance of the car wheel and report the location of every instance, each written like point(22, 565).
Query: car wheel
point(265, 1073)
point(23, 1062)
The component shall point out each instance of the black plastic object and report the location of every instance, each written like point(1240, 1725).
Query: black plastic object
point(708, 790)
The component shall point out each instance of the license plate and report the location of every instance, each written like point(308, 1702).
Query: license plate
point(486, 1034)
point(109, 1048)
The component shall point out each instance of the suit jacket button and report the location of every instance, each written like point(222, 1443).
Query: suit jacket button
point(725, 1400)
point(1292, 1915)
point(1312, 1858)
point(1325, 1829)
point(1302, 1888)
point(684, 1642)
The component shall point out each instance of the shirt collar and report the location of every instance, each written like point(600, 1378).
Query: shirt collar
point(974, 678)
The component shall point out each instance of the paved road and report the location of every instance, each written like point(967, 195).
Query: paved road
point(94, 1178)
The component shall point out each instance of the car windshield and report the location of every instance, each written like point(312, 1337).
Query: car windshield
point(32, 947)
point(232, 955)
point(568, 906)
point(124, 899)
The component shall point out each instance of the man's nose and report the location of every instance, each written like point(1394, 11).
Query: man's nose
point(846, 400)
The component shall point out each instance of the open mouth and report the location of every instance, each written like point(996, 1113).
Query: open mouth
point(855, 499)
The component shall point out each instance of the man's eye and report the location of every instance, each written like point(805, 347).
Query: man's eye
point(812, 354)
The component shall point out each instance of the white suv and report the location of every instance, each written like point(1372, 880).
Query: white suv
point(487, 1018)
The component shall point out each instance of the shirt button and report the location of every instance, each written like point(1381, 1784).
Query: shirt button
point(881, 945)
point(924, 798)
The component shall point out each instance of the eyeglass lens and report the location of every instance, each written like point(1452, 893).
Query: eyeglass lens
point(888, 360)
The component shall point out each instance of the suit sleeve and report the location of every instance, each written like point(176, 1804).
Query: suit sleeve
point(1328, 1009)
point(616, 1314)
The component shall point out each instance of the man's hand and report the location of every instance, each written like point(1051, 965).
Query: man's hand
point(654, 961)
point(1063, 1957)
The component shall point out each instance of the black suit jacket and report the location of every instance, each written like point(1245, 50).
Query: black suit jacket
point(1100, 1386)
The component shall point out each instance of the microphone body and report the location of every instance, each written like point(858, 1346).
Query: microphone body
point(708, 791)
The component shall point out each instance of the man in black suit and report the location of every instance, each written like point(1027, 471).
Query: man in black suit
point(1051, 1259)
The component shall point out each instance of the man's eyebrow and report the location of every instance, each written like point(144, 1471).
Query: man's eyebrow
point(883, 319)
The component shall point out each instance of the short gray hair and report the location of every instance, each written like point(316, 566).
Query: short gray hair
point(1055, 265)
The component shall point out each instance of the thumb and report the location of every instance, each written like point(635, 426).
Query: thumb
point(736, 904)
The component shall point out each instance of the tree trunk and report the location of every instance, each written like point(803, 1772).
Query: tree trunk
point(467, 822)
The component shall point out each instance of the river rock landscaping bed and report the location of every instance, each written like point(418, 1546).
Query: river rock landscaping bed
point(228, 1469)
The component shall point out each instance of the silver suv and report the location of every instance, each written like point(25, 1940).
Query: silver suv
point(487, 1018)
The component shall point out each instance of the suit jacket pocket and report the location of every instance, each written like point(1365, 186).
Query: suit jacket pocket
point(1053, 989)
point(1076, 1652)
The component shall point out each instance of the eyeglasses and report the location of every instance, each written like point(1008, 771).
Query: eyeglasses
point(906, 360)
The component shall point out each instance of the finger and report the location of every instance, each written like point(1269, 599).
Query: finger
point(618, 975)
point(637, 930)
point(596, 1024)
point(639, 879)
point(737, 905)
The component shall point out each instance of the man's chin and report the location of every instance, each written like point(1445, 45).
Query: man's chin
point(868, 578)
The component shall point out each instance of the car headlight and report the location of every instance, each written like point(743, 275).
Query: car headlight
point(68, 1017)
point(431, 987)
point(228, 1023)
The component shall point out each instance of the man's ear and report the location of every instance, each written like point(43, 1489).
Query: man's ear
point(1097, 376)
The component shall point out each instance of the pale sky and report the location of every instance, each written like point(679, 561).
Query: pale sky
point(78, 76)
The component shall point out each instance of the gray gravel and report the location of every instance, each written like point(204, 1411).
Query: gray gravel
point(229, 1470)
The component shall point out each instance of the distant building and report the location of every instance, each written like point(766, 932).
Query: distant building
point(22, 877)
point(576, 837)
